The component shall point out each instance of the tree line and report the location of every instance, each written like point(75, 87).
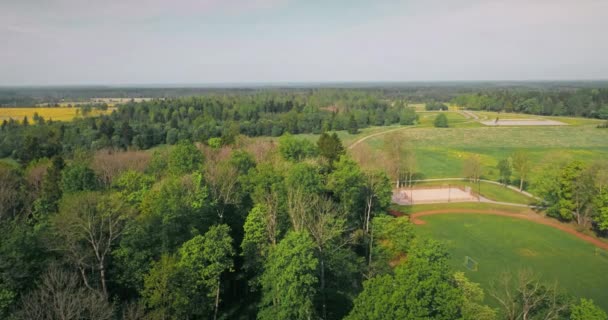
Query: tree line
point(150, 123)
point(591, 103)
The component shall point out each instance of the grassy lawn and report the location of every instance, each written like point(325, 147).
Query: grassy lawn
point(505, 244)
point(488, 190)
point(441, 153)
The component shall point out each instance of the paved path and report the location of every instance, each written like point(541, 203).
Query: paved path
point(531, 216)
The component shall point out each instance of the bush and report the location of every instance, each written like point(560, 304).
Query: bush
point(441, 121)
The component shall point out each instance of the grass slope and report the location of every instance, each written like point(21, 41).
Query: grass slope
point(506, 244)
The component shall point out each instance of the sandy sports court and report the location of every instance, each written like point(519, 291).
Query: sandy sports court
point(406, 196)
point(523, 122)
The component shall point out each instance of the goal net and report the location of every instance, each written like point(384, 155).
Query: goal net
point(470, 263)
point(601, 253)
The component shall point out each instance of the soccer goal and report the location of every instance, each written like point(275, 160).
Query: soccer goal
point(470, 263)
point(601, 253)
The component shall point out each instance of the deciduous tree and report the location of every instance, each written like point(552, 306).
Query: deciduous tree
point(289, 281)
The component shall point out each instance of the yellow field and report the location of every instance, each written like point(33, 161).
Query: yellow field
point(55, 114)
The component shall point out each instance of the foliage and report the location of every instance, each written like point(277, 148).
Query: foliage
point(421, 288)
point(441, 121)
point(184, 158)
point(505, 169)
point(587, 310)
point(473, 296)
point(295, 149)
point(77, 178)
point(289, 279)
point(330, 147)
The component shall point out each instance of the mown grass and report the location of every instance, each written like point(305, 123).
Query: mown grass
point(487, 190)
point(442, 152)
point(55, 114)
point(502, 244)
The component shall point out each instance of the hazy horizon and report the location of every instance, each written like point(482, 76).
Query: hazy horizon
point(215, 43)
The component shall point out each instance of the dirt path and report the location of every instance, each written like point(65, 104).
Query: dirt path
point(534, 217)
point(378, 134)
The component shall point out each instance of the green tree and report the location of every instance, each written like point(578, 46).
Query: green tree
point(306, 177)
point(572, 196)
point(408, 116)
point(347, 183)
point(441, 121)
point(505, 170)
point(521, 163)
point(289, 280)
point(601, 204)
point(184, 158)
point(205, 258)
point(257, 242)
point(77, 178)
point(172, 136)
point(294, 149)
point(353, 127)
point(165, 291)
point(587, 310)
point(330, 147)
point(422, 288)
point(473, 296)
point(390, 241)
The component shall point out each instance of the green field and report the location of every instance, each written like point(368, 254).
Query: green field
point(507, 244)
point(440, 153)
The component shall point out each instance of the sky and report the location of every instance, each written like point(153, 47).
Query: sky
point(114, 42)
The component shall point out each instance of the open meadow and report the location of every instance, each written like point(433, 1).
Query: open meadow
point(499, 244)
point(441, 152)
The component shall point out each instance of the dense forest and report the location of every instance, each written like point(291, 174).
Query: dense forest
point(147, 124)
point(167, 209)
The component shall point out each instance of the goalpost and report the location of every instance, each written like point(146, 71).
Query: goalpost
point(470, 263)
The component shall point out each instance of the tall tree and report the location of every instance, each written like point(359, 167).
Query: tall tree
point(87, 227)
point(184, 158)
point(289, 280)
point(207, 257)
point(330, 147)
point(422, 288)
point(472, 168)
point(521, 163)
point(505, 170)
